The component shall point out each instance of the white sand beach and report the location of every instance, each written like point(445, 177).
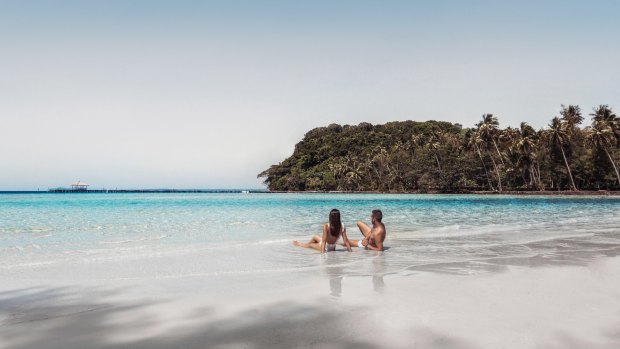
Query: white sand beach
point(220, 271)
point(529, 304)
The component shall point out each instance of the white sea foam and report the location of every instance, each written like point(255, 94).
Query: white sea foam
point(138, 239)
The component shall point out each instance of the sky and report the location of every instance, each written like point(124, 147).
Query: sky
point(207, 94)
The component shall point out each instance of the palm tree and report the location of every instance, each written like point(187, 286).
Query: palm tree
point(605, 114)
point(380, 165)
point(559, 136)
point(571, 115)
point(487, 129)
point(353, 174)
point(395, 172)
point(525, 146)
point(509, 136)
point(338, 168)
point(434, 143)
point(604, 132)
point(352, 180)
point(474, 142)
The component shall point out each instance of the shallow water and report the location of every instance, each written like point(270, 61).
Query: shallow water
point(170, 235)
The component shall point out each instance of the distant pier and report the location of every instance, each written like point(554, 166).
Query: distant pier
point(211, 191)
point(81, 187)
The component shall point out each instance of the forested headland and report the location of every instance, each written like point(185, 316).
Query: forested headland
point(437, 156)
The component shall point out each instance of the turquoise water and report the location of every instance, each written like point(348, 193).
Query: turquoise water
point(424, 231)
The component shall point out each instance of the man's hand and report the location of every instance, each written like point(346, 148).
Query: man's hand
point(365, 242)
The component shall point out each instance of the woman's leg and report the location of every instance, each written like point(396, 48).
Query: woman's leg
point(353, 242)
point(315, 243)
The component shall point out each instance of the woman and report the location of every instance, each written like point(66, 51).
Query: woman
point(332, 231)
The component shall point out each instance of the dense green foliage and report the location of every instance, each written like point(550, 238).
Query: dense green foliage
point(435, 156)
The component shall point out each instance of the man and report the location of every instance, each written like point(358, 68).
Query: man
point(373, 237)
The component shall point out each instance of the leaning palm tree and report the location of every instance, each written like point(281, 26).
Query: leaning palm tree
point(603, 113)
point(559, 136)
point(487, 130)
point(604, 132)
point(525, 146)
point(434, 144)
point(509, 136)
point(473, 142)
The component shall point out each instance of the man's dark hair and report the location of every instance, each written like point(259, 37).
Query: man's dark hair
point(377, 214)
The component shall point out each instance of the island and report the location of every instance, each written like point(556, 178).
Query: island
point(443, 157)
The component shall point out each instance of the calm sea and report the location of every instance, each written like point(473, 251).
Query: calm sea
point(233, 234)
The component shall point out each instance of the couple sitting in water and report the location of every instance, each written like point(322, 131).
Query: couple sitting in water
point(332, 231)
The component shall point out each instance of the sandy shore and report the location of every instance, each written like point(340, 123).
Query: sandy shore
point(576, 305)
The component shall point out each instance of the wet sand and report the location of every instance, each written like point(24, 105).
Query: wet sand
point(517, 305)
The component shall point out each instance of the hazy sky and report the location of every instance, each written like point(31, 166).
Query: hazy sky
point(203, 94)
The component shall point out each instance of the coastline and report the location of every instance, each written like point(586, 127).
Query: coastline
point(482, 192)
point(266, 191)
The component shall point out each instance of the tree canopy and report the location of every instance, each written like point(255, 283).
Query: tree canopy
point(438, 156)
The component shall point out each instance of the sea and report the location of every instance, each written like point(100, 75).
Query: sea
point(134, 236)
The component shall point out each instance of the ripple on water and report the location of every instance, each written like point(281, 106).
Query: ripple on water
point(253, 233)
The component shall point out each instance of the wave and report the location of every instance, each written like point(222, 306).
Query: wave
point(21, 248)
point(458, 230)
point(141, 239)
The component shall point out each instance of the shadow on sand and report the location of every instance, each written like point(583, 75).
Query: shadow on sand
point(69, 318)
point(60, 318)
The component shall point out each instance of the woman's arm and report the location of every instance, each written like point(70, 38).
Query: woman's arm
point(324, 238)
point(346, 240)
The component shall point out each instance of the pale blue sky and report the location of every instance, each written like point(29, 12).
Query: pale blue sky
point(189, 94)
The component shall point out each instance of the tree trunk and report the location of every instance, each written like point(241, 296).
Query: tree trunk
point(499, 178)
point(486, 173)
point(570, 175)
point(498, 153)
point(536, 173)
point(613, 163)
point(438, 165)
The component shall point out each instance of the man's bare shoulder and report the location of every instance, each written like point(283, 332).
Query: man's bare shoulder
point(381, 228)
point(378, 229)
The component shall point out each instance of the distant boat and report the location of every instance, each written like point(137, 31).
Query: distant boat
point(245, 192)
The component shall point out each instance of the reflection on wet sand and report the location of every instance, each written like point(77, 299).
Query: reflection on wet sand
point(378, 272)
point(334, 271)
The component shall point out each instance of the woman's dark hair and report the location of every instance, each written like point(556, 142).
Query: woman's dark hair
point(334, 222)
